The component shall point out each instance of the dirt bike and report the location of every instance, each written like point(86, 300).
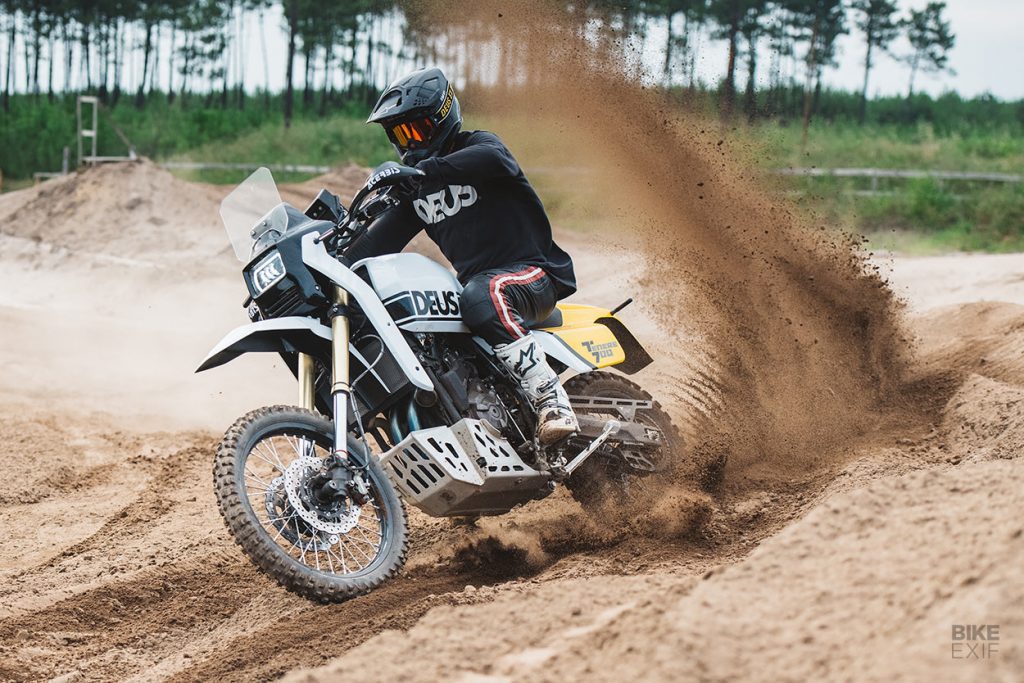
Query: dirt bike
point(380, 353)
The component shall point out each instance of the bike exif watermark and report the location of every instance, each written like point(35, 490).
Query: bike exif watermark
point(975, 641)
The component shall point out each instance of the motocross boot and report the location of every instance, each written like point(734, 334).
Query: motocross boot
point(529, 365)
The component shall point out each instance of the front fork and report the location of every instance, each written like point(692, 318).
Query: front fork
point(339, 370)
point(340, 388)
point(345, 474)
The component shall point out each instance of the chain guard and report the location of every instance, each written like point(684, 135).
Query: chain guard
point(638, 458)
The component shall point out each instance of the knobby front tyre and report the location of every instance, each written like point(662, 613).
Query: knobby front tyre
point(327, 553)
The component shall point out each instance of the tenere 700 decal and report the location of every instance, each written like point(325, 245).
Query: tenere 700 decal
point(426, 305)
point(599, 351)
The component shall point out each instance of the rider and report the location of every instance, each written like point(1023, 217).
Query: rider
point(479, 208)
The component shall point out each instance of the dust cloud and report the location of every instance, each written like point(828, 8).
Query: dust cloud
point(793, 343)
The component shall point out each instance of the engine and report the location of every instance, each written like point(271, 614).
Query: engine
point(477, 388)
point(484, 404)
point(472, 395)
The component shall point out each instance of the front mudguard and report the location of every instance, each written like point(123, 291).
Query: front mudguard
point(288, 335)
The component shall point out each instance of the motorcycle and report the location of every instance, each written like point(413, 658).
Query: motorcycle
point(380, 353)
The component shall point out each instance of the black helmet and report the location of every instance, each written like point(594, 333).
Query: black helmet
point(420, 114)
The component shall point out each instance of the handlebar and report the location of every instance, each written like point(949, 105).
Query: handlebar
point(384, 177)
point(360, 218)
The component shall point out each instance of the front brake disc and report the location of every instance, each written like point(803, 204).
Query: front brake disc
point(295, 476)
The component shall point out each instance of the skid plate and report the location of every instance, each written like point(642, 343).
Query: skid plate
point(465, 469)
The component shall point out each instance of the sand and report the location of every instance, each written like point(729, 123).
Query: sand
point(850, 565)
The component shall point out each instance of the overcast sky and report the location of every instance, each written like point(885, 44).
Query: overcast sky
point(988, 55)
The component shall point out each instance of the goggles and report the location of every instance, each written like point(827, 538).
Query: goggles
point(413, 134)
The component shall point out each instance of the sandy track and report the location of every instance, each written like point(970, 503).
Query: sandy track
point(115, 563)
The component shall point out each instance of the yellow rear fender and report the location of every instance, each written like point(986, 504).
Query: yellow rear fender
point(598, 339)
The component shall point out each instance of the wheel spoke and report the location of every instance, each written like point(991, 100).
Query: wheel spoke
point(258, 454)
point(278, 494)
point(314, 542)
point(330, 562)
point(379, 534)
point(277, 529)
point(364, 539)
point(368, 558)
point(249, 473)
point(273, 449)
point(341, 556)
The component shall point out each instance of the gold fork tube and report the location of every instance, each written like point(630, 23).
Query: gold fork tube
point(340, 373)
point(307, 382)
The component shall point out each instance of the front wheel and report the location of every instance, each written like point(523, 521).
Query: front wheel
point(265, 475)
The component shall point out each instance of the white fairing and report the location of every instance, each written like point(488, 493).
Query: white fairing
point(316, 257)
point(421, 295)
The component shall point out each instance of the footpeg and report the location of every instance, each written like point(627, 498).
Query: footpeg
point(610, 427)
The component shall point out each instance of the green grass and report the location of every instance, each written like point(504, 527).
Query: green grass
point(10, 185)
point(918, 216)
point(36, 129)
point(903, 147)
point(320, 142)
point(943, 216)
point(946, 241)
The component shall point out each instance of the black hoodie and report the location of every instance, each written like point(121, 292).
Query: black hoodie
point(479, 209)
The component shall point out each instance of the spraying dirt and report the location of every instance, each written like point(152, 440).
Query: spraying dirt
point(782, 340)
point(786, 344)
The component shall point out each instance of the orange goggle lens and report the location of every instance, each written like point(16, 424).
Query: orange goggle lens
point(412, 133)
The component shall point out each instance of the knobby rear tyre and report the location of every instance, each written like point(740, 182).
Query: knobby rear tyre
point(599, 481)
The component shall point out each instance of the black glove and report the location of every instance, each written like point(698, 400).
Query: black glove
point(410, 187)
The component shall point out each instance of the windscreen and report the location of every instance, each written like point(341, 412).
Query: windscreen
point(245, 210)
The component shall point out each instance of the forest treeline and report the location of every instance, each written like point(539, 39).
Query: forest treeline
point(348, 50)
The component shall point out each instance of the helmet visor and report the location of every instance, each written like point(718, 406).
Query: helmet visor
point(414, 134)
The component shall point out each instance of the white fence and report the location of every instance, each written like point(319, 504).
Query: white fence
point(896, 173)
point(215, 166)
point(874, 174)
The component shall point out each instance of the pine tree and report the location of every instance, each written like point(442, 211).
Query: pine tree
point(729, 16)
point(877, 20)
point(931, 38)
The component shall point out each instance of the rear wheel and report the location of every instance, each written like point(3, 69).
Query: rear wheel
point(617, 474)
point(267, 474)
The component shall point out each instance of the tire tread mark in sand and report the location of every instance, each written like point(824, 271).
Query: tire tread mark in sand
point(316, 633)
point(140, 512)
point(62, 480)
point(150, 505)
point(124, 615)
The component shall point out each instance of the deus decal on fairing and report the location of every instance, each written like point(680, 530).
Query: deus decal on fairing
point(426, 305)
